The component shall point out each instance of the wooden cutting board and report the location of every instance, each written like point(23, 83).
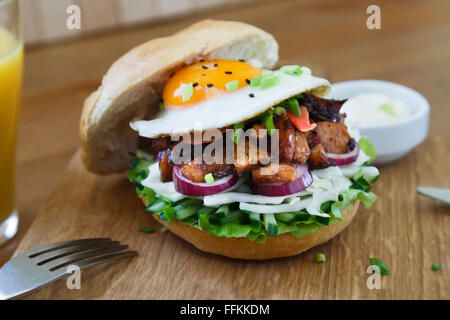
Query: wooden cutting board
point(408, 231)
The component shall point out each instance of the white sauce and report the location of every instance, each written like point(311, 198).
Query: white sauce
point(373, 108)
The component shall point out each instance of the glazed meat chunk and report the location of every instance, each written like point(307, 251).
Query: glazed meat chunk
point(318, 158)
point(274, 173)
point(286, 138)
point(196, 172)
point(301, 151)
point(333, 136)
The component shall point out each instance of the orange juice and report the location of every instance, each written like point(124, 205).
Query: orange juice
point(11, 64)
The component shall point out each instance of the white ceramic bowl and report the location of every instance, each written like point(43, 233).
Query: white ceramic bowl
point(391, 140)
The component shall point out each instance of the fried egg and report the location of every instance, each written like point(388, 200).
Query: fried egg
point(217, 93)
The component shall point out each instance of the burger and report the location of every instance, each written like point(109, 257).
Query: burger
point(230, 153)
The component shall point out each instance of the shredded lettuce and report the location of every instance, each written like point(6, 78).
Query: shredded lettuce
point(366, 146)
point(232, 220)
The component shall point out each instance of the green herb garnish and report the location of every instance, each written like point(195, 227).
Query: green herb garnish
point(146, 230)
point(209, 179)
point(238, 130)
point(161, 106)
point(292, 70)
point(232, 85)
point(187, 92)
point(379, 263)
point(269, 81)
point(256, 81)
point(269, 124)
point(435, 266)
point(294, 107)
point(388, 109)
point(321, 258)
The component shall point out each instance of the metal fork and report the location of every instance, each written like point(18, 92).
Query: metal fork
point(40, 266)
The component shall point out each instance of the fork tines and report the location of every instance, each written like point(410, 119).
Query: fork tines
point(82, 253)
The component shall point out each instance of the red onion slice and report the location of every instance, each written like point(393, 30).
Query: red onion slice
point(187, 187)
point(345, 158)
point(303, 181)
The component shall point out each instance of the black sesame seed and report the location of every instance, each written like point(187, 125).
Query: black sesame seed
point(209, 85)
point(171, 75)
point(228, 72)
point(216, 65)
point(251, 95)
point(202, 60)
point(247, 81)
point(204, 67)
point(241, 60)
point(195, 84)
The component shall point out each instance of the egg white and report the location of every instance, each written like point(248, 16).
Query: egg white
point(227, 109)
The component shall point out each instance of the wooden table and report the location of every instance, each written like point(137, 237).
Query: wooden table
point(412, 48)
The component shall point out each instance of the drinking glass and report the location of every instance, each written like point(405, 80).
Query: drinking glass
point(11, 65)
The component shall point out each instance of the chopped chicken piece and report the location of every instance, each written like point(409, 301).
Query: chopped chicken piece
point(286, 138)
point(318, 158)
point(274, 173)
point(301, 152)
point(196, 172)
point(333, 136)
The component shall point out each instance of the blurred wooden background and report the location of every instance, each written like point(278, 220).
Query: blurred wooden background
point(45, 20)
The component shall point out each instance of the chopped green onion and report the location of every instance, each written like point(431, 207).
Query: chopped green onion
point(232, 85)
point(388, 109)
point(156, 206)
point(271, 225)
point(187, 92)
point(256, 81)
point(238, 130)
point(294, 107)
point(209, 179)
point(255, 222)
point(280, 111)
point(206, 210)
point(161, 106)
point(435, 266)
point(146, 230)
point(231, 217)
point(183, 213)
point(292, 70)
point(379, 263)
point(236, 136)
point(269, 124)
point(321, 258)
point(223, 209)
point(239, 125)
point(268, 82)
point(287, 217)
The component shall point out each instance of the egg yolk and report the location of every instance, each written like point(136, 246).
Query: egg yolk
point(208, 79)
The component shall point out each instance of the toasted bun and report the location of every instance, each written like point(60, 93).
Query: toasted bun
point(134, 83)
point(284, 245)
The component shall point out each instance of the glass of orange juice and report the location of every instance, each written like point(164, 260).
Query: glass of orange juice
point(11, 65)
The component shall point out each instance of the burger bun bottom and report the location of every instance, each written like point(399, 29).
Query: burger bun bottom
point(283, 245)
